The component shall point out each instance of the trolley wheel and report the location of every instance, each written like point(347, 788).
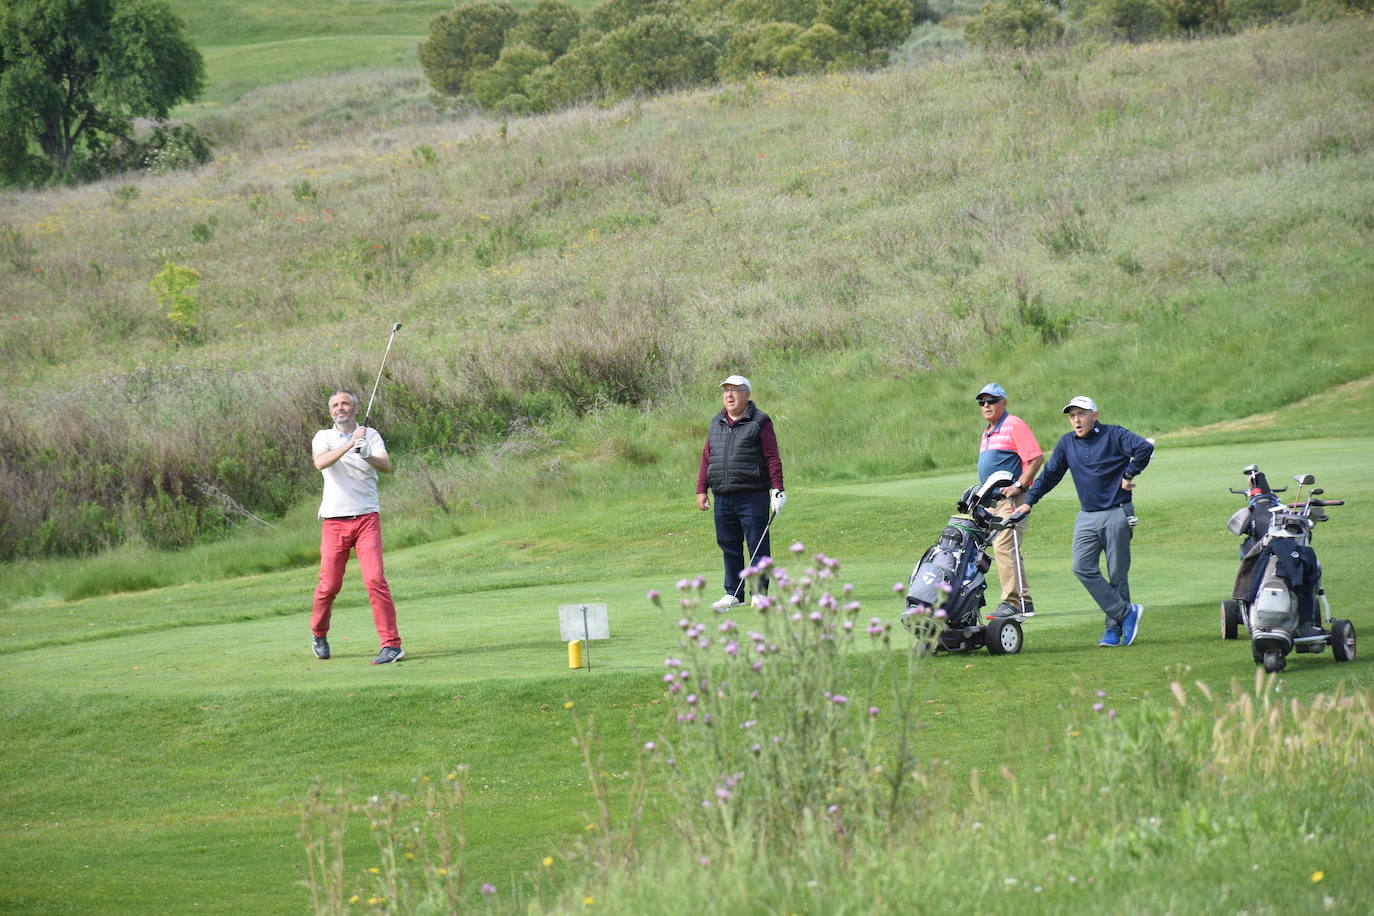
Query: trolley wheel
point(1003, 636)
point(1230, 618)
point(1343, 640)
point(1274, 661)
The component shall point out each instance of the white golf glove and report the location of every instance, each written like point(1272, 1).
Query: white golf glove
point(362, 449)
point(776, 500)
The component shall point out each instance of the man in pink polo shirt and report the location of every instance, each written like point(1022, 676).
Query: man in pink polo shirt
point(348, 457)
point(1008, 445)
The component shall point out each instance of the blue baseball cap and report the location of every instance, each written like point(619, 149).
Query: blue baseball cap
point(993, 389)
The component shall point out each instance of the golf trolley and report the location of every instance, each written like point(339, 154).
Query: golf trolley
point(946, 590)
point(1278, 588)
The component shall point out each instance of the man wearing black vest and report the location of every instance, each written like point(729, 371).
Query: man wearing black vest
point(741, 466)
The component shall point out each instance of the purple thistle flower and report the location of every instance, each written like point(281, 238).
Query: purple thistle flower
point(704, 862)
point(899, 588)
point(732, 648)
point(839, 699)
point(668, 678)
point(674, 687)
point(672, 662)
point(684, 603)
point(488, 889)
point(699, 582)
point(756, 748)
point(683, 584)
point(944, 587)
point(852, 607)
point(757, 666)
point(706, 718)
point(1097, 707)
point(1101, 693)
point(832, 809)
point(1111, 714)
point(848, 626)
point(749, 723)
point(849, 588)
point(722, 793)
point(727, 626)
point(816, 617)
point(650, 746)
point(872, 710)
point(941, 614)
point(691, 699)
point(797, 547)
point(691, 717)
point(764, 603)
point(796, 617)
point(764, 563)
point(795, 599)
point(653, 597)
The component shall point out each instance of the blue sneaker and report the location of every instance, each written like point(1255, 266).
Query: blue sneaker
point(321, 646)
point(1112, 635)
point(388, 655)
point(1130, 624)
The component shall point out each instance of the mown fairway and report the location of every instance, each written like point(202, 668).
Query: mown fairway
point(155, 766)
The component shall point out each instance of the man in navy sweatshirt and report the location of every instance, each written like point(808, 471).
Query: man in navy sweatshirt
point(1105, 461)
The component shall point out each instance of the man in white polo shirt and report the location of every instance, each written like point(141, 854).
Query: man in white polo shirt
point(349, 457)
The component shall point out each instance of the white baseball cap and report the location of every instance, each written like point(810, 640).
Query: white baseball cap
point(737, 381)
point(1082, 401)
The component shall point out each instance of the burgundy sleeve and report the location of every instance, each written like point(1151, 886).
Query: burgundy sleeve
point(768, 444)
point(701, 471)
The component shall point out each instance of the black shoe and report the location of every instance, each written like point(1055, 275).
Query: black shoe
point(388, 655)
point(321, 647)
point(1309, 629)
point(1003, 610)
point(1027, 607)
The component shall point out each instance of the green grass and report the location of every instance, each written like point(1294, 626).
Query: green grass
point(176, 730)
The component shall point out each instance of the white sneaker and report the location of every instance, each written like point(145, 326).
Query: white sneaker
point(725, 603)
point(758, 600)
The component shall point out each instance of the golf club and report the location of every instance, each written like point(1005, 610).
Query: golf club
point(367, 415)
point(771, 516)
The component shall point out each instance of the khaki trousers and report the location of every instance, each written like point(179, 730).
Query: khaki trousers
point(1010, 570)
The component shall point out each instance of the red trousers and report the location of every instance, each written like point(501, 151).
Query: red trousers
point(337, 537)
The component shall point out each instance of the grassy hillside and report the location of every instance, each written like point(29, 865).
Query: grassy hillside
point(1181, 230)
point(1125, 220)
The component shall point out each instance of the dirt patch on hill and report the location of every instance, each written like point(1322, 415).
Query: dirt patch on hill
point(1262, 420)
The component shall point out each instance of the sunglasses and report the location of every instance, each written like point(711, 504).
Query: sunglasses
point(983, 402)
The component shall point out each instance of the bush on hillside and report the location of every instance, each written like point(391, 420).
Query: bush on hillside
point(654, 53)
point(871, 26)
point(781, 48)
point(549, 26)
point(463, 41)
point(1126, 20)
point(616, 14)
point(1020, 25)
point(798, 12)
point(1256, 12)
point(574, 77)
point(1193, 17)
point(501, 87)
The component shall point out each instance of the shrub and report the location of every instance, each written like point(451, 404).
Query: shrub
point(174, 287)
point(574, 77)
point(1126, 20)
point(616, 14)
point(1254, 12)
point(1020, 25)
point(501, 86)
point(1198, 16)
point(869, 25)
point(549, 26)
point(799, 12)
point(462, 41)
point(654, 53)
point(770, 47)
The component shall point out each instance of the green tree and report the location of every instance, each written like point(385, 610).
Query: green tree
point(574, 77)
point(654, 53)
point(870, 25)
point(1126, 20)
point(75, 73)
point(1198, 16)
point(1014, 24)
point(613, 14)
point(463, 41)
point(501, 87)
point(800, 12)
point(549, 26)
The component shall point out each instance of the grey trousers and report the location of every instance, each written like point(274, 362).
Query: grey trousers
point(1096, 533)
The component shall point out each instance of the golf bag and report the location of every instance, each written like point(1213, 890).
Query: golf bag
point(1278, 593)
point(947, 589)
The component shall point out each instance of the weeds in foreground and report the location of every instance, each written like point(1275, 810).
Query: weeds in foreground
point(787, 773)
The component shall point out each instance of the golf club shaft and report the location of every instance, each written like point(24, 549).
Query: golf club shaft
point(762, 537)
point(367, 414)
